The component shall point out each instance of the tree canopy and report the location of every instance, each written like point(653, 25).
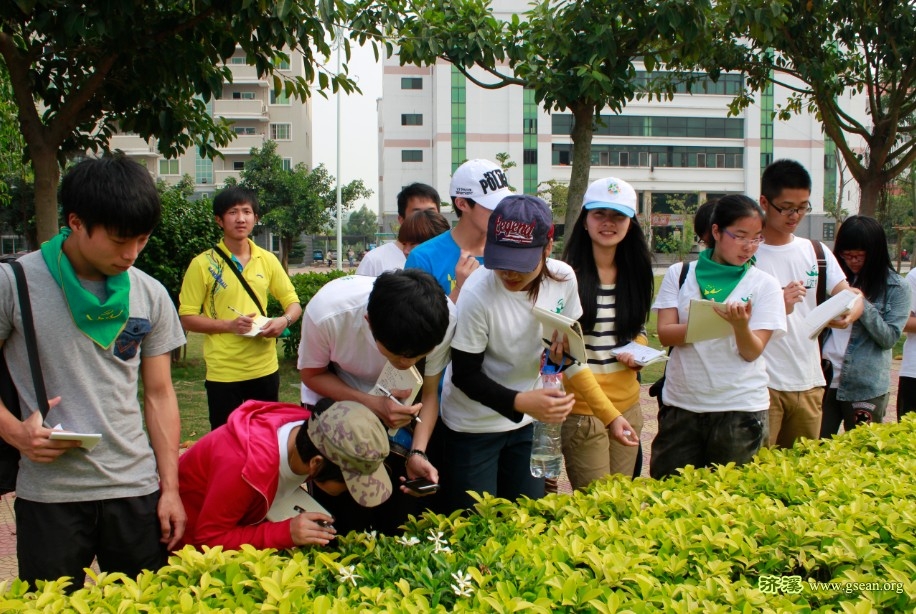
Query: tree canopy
point(82, 71)
point(579, 56)
point(362, 222)
point(822, 51)
point(297, 200)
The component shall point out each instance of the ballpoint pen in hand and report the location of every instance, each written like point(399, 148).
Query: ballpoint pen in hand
point(231, 308)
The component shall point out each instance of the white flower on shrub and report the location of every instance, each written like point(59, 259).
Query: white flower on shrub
point(408, 541)
point(347, 574)
point(440, 543)
point(463, 585)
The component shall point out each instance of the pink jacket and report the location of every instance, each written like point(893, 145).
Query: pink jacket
point(228, 479)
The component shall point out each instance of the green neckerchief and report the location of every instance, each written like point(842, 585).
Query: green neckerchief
point(100, 321)
point(716, 280)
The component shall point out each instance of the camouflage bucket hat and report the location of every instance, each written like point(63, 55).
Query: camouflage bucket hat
point(352, 437)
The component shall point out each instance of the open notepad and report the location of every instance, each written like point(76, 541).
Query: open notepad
point(643, 354)
point(819, 317)
point(294, 503)
point(704, 323)
point(87, 440)
point(563, 325)
point(259, 323)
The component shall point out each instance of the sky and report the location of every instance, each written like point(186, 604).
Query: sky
point(359, 128)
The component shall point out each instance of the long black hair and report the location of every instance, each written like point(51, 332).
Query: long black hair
point(859, 232)
point(635, 282)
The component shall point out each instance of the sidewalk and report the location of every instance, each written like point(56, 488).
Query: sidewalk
point(8, 566)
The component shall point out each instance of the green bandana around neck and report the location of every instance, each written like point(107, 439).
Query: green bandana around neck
point(100, 321)
point(717, 280)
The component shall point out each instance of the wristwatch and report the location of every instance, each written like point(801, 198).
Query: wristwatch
point(289, 320)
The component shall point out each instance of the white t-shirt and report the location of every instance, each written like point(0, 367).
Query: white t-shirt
point(387, 257)
point(908, 365)
point(835, 352)
point(710, 376)
point(793, 360)
point(500, 324)
point(335, 331)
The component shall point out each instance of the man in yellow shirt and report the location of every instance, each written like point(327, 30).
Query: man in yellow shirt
point(241, 363)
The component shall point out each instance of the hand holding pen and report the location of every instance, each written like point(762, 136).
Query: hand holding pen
point(242, 324)
point(393, 412)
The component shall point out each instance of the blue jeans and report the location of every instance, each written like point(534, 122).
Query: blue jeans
point(496, 463)
point(705, 439)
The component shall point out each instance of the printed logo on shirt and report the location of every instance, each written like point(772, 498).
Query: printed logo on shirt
point(711, 291)
point(561, 304)
point(811, 274)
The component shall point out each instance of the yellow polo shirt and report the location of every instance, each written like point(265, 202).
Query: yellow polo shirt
point(209, 288)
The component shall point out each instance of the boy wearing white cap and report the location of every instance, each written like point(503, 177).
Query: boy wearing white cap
point(452, 256)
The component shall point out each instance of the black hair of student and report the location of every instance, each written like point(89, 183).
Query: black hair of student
point(234, 195)
point(731, 208)
point(422, 226)
point(417, 190)
point(113, 192)
point(471, 203)
point(782, 175)
point(702, 220)
point(408, 312)
point(635, 281)
point(308, 450)
point(534, 288)
point(859, 232)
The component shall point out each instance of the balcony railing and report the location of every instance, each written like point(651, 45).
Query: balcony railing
point(240, 109)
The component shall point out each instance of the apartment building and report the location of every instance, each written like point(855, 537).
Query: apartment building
point(683, 150)
point(257, 114)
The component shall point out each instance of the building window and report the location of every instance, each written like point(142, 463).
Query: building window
point(244, 130)
point(829, 231)
point(411, 119)
point(411, 83)
point(411, 155)
point(238, 166)
point(243, 95)
point(459, 118)
point(280, 132)
point(281, 64)
point(169, 167)
point(287, 164)
point(530, 156)
point(237, 60)
point(280, 98)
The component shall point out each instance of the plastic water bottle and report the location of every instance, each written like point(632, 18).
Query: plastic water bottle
point(546, 450)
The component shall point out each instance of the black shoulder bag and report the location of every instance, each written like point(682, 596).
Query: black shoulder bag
point(9, 455)
point(655, 390)
point(244, 283)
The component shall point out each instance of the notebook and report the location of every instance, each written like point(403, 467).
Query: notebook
point(286, 506)
point(551, 322)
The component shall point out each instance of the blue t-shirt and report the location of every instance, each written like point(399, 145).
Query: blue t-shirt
point(438, 257)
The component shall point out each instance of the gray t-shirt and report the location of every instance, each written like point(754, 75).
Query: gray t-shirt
point(98, 387)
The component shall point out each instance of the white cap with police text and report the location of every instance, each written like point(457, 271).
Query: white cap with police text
point(611, 193)
point(482, 181)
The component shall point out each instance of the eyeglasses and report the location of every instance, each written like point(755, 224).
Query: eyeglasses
point(744, 240)
point(853, 256)
point(793, 211)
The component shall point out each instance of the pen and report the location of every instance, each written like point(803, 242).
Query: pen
point(388, 394)
point(231, 308)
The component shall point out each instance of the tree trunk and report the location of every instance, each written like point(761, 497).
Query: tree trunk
point(286, 245)
point(871, 189)
point(583, 128)
point(47, 176)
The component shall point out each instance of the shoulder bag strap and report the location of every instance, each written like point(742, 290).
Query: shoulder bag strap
point(238, 274)
point(28, 329)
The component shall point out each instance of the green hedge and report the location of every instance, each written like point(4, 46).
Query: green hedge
point(306, 284)
point(736, 540)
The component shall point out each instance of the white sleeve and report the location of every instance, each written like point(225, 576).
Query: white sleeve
point(314, 346)
point(472, 332)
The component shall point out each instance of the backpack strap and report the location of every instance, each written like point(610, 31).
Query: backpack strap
point(31, 342)
point(244, 283)
point(821, 292)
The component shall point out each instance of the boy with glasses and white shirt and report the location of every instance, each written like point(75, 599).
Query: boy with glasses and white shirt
point(793, 361)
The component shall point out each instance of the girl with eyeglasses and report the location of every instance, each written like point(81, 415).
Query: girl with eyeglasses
point(715, 399)
point(861, 353)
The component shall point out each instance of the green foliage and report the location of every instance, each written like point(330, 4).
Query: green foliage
point(83, 71)
point(187, 229)
point(699, 542)
point(362, 223)
point(822, 51)
point(306, 285)
point(556, 193)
